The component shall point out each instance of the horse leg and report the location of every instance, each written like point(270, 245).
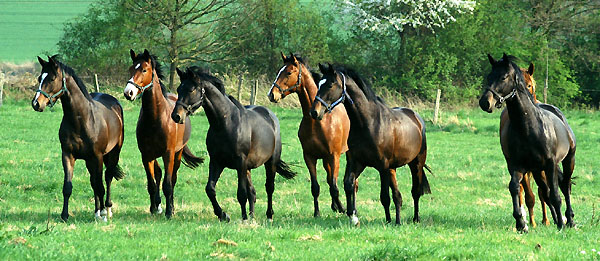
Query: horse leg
point(311, 164)
point(353, 170)
point(568, 165)
point(157, 178)
point(544, 194)
point(398, 197)
point(552, 174)
point(111, 161)
point(242, 191)
point(94, 166)
point(168, 185)
point(68, 161)
point(149, 166)
point(214, 172)
point(514, 187)
point(529, 197)
point(270, 169)
point(384, 193)
point(251, 195)
point(332, 167)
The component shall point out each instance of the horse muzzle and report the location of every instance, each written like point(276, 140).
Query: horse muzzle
point(317, 111)
point(130, 92)
point(38, 106)
point(178, 115)
point(486, 101)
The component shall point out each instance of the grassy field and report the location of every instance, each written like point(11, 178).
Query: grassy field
point(33, 27)
point(468, 216)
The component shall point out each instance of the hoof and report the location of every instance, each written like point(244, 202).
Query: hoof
point(100, 217)
point(564, 220)
point(64, 217)
point(354, 221)
point(317, 214)
point(417, 219)
point(224, 217)
point(107, 212)
point(159, 209)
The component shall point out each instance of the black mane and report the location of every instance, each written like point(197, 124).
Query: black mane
point(363, 84)
point(69, 71)
point(157, 68)
point(205, 75)
point(315, 74)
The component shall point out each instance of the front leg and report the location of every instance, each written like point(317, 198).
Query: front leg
point(514, 188)
point(68, 162)
point(168, 185)
point(353, 170)
point(151, 166)
point(94, 166)
point(311, 164)
point(242, 191)
point(214, 172)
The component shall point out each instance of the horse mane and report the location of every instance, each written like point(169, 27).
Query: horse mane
point(156, 66)
point(205, 75)
point(68, 70)
point(236, 103)
point(315, 74)
point(521, 83)
point(363, 84)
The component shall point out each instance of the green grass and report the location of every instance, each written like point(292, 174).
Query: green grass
point(33, 27)
point(468, 216)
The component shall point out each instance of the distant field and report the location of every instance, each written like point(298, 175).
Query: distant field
point(467, 216)
point(33, 27)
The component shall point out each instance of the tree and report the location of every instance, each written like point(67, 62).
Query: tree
point(188, 28)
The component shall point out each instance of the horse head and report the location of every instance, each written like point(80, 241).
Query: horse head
point(331, 93)
point(288, 79)
point(142, 75)
point(51, 84)
point(502, 83)
point(191, 94)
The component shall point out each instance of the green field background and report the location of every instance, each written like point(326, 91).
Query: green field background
point(467, 216)
point(30, 28)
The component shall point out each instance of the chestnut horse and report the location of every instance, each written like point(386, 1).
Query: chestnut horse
point(158, 135)
point(325, 139)
point(380, 137)
point(535, 139)
point(239, 137)
point(91, 129)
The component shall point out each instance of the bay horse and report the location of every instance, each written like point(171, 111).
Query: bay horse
point(380, 137)
point(325, 139)
point(536, 139)
point(91, 129)
point(158, 135)
point(239, 137)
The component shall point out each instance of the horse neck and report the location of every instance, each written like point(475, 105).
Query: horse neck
point(76, 106)
point(218, 108)
point(521, 111)
point(153, 101)
point(306, 93)
point(359, 112)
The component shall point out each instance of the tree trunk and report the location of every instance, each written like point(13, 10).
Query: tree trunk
point(173, 48)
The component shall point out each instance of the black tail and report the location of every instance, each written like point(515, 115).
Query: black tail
point(424, 182)
point(284, 170)
point(116, 172)
point(189, 160)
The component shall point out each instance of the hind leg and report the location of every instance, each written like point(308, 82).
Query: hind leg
point(251, 195)
point(332, 167)
point(242, 191)
point(529, 198)
point(565, 185)
point(395, 194)
point(170, 159)
point(94, 166)
point(111, 161)
point(384, 193)
point(311, 164)
point(270, 170)
point(552, 175)
point(420, 185)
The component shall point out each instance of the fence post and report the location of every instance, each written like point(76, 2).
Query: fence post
point(240, 80)
point(546, 83)
point(437, 106)
point(1, 87)
point(97, 87)
point(253, 93)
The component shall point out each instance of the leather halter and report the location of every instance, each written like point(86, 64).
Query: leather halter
point(190, 108)
point(330, 107)
point(142, 88)
point(52, 102)
point(283, 91)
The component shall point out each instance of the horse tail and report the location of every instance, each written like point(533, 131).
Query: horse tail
point(116, 172)
point(284, 170)
point(425, 189)
point(190, 160)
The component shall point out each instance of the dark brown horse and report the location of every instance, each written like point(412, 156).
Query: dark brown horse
point(325, 139)
point(91, 129)
point(535, 139)
point(239, 137)
point(380, 137)
point(157, 134)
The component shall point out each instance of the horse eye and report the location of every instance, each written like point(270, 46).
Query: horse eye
point(144, 71)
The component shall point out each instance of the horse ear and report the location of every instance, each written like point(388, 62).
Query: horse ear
point(180, 73)
point(321, 68)
point(530, 69)
point(52, 62)
point(504, 57)
point(294, 59)
point(492, 61)
point(42, 62)
point(132, 53)
point(146, 55)
point(331, 69)
point(283, 56)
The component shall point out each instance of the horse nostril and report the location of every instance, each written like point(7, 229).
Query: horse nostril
point(131, 94)
point(313, 114)
point(176, 118)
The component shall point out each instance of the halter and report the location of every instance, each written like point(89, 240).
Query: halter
point(192, 107)
point(295, 85)
point(501, 99)
point(329, 107)
point(52, 102)
point(143, 88)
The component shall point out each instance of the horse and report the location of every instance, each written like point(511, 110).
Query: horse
point(91, 129)
point(239, 137)
point(536, 139)
point(325, 139)
point(158, 135)
point(380, 137)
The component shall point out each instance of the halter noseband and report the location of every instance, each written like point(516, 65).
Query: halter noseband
point(51, 99)
point(143, 88)
point(283, 91)
point(330, 107)
point(192, 107)
point(501, 99)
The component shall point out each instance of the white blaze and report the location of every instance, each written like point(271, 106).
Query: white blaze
point(40, 88)
point(138, 66)
point(321, 82)
point(279, 73)
point(131, 88)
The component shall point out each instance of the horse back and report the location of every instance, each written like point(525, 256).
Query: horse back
point(558, 113)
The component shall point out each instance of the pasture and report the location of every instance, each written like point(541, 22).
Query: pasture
point(467, 216)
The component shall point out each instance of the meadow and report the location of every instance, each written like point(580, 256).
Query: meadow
point(467, 216)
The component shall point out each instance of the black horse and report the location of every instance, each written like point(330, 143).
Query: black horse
point(91, 129)
point(380, 137)
point(536, 139)
point(239, 137)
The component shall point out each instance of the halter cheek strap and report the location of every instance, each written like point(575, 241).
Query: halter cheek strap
point(142, 88)
point(330, 107)
point(190, 108)
point(501, 99)
point(283, 91)
point(51, 98)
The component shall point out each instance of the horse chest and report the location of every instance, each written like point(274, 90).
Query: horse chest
point(74, 143)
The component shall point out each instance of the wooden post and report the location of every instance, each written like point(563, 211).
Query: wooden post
point(546, 83)
point(437, 106)
point(253, 93)
point(97, 87)
point(1, 86)
point(240, 79)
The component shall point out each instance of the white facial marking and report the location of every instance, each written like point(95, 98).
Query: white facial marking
point(279, 73)
point(138, 66)
point(40, 88)
point(321, 82)
point(130, 88)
